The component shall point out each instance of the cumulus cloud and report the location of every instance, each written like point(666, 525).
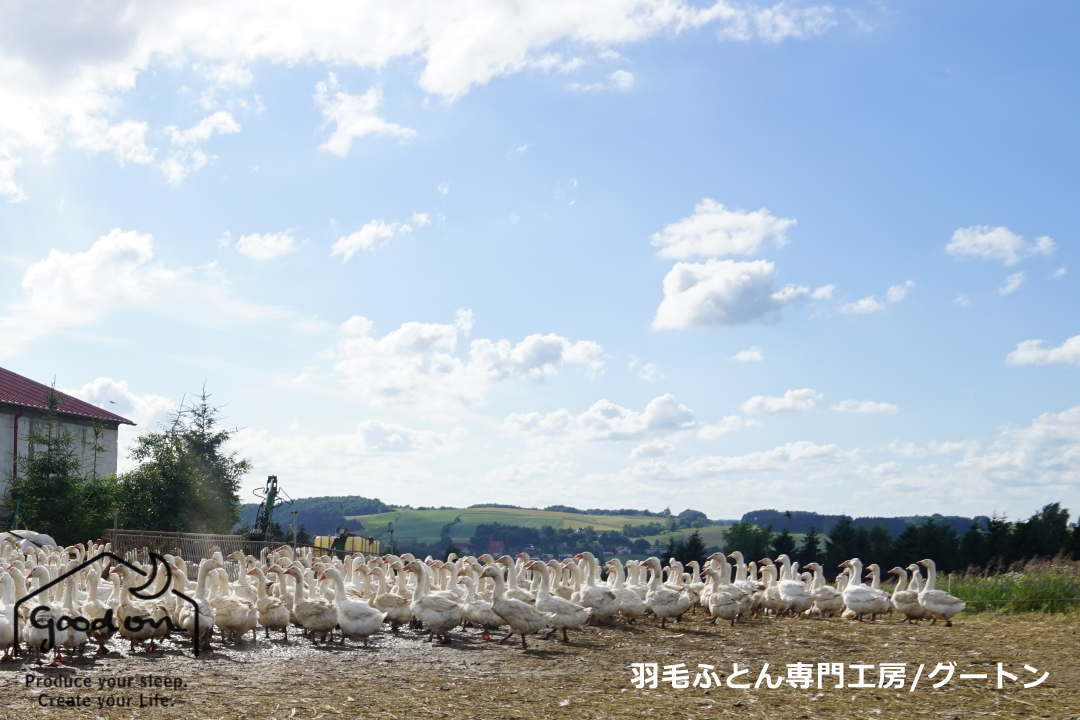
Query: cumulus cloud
point(187, 156)
point(352, 116)
point(426, 362)
point(752, 354)
point(713, 230)
point(617, 81)
point(870, 304)
point(962, 300)
point(996, 243)
point(1033, 352)
point(1060, 272)
point(726, 426)
point(51, 85)
point(653, 449)
point(68, 290)
point(375, 234)
point(607, 420)
point(148, 411)
point(647, 371)
point(723, 292)
point(1011, 284)
point(798, 400)
point(266, 246)
point(866, 407)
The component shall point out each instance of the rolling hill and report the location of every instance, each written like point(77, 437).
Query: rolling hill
point(426, 526)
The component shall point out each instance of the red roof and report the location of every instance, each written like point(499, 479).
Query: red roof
point(24, 392)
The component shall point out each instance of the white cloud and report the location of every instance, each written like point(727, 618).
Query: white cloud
point(187, 157)
point(1060, 272)
point(647, 371)
point(218, 123)
point(864, 306)
point(148, 411)
point(375, 234)
point(866, 407)
point(726, 426)
point(607, 420)
point(353, 116)
point(896, 293)
point(752, 354)
point(266, 246)
point(798, 400)
point(48, 87)
point(779, 22)
point(422, 362)
point(713, 230)
point(996, 243)
point(723, 292)
point(443, 188)
point(962, 300)
point(617, 81)
point(1011, 284)
point(653, 449)
point(68, 290)
point(870, 304)
point(1032, 352)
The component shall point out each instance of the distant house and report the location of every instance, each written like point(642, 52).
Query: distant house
point(24, 406)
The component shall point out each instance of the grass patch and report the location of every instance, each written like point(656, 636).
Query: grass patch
point(1037, 586)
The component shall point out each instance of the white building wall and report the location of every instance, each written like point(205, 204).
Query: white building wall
point(82, 432)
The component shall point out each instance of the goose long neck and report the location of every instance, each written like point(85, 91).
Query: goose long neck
point(931, 577)
point(200, 586)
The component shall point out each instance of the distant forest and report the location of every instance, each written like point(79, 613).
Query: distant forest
point(801, 521)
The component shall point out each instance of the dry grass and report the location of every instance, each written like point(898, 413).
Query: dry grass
point(403, 677)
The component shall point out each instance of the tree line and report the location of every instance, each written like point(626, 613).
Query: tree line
point(993, 544)
point(186, 480)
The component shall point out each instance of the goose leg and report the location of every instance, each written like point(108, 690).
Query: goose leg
point(565, 639)
point(523, 645)
point(508, 636)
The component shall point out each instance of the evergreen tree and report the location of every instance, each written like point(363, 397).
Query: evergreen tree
point(693, 548)
point(842, 543)
point(783, 544)
point(973, 548)
point(51, 491)
point(810, 548)
point(186, 480)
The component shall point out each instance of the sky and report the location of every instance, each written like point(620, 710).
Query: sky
point(631, 253)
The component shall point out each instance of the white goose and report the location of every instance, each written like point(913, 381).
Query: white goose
point(828, 601)
point(523, 618)
point(273, 613)
point(938, 603)
point(662, 600)
point(904, 600)
point(564, 613)
point(601, 599)
point(478, 611)
point(439, 613)
point(631, 604)
point(858, 598)
point(316, 617)
point(884, 603)
point(394, 605)
point(792, 592)
point(356, 619)
point(722, 600)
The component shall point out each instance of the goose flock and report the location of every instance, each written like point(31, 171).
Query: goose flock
point(325, 599)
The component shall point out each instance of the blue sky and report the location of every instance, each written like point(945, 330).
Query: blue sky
point(633, 254)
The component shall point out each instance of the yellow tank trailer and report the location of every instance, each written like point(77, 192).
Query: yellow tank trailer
point(347, 543)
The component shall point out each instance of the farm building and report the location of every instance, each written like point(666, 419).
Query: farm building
point(24, 406)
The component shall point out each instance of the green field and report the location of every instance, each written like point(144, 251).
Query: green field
point(426, 525)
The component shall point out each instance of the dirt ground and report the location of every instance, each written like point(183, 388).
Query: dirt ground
point(404, 677)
